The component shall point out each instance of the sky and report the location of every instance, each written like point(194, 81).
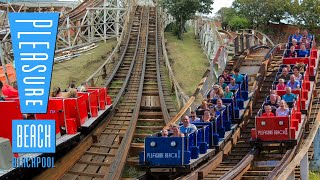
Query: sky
point(219, 4)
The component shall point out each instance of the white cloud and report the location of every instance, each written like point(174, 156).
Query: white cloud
point(219, 4)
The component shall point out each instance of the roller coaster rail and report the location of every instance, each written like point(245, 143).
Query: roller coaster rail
point(91, 21)
point(102, 70)
point(302, 157)
point(218, 49)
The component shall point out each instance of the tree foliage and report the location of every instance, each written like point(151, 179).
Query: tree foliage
point(262, 12)
point(237, 23)
point(224, 15)
point(183, 10)
point(306, 13)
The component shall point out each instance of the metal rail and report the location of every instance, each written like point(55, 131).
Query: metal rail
point(121, 156)
point(109, 146)
point(104, 152)
point(161, 95)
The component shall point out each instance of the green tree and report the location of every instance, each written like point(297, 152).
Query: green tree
point(224, 15)
point(306, 13)
point(237, 23)
point(261, 12)
point(183, 10)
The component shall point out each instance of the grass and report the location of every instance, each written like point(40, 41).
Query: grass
point(139, 123)
point(80, 68)
point(189, 61)
point(116, 84)
point(147, 131)
point(138, 140)
point(132, 172)
point(314, 175)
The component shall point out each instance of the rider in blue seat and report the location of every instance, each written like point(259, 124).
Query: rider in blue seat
point(238, 77)
point(297, 36)
point(186, 127)
point(303, 52)
point(233, 85)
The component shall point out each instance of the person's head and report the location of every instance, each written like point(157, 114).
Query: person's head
point(297, 32)
point(292, 78)
point(225, 73)
point(219, 102)
point(164, 132)
point(72, 85)
point(273, 98)
point(272, 91)
point(175, 129)
point(303, 47)
point(84, 84)
point(283, 104)
point(268, 109)
point(206, 112)
point(304, 39)
point(305, 33)
point(171, 127)
point(288, 90)
point(204, 103)
point(55, 91)
point(206, 115)
point(292, 48)
point(281, 81)
point(232, 81)
point(227, 89)
point(216, 88)
point(185, 120)
point(193, 115)
point(296, 70)
point(294, 41)
point(221, 80)
point(236, 71)
point(285, 71)
point(72, 93)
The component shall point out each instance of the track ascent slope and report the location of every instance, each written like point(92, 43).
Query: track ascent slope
point(140, 100)
point(242, 148)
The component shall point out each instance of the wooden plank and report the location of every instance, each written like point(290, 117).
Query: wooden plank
point(94, 163)
point(114, 133)
point(149, 127)
point(98, 175)
point(152, 101)
point(116, 128)
point(84, 178)
point(69, 177)
point(99, 153)
point(143, 101)
point(148, 99)
point(91, 168)
point(158, 101)
point(212, 164)
point(105, 146)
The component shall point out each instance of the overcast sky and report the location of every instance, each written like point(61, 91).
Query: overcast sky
point(219, 4)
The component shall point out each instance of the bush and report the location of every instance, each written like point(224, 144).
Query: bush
point(237, 23)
